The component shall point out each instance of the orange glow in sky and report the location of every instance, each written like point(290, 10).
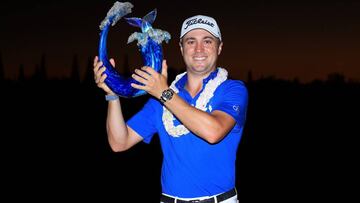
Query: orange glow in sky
point(282, 39)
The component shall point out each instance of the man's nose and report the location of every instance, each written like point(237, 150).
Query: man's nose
point(199, 47)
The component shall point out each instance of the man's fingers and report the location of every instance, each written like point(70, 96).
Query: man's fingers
point(139, 79)
point(112, 61)
point(136, 86)
point(99, 72)
point(102, 78)
point(95, 61)
point(144, 74)
point(164, 71)
point(97, 66)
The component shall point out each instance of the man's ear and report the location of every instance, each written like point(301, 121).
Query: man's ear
point(220, 48)
point(181, 48)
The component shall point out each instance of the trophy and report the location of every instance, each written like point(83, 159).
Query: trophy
point(148, 41)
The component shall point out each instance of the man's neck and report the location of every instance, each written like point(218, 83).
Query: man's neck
point(194, 83)
point(193, 86)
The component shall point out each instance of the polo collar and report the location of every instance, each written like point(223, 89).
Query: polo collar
point(182, 82)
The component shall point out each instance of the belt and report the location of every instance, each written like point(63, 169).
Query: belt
point(221, 197)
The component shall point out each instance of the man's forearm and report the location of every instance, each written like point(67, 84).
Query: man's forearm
point(201, 123)
point(116, 127)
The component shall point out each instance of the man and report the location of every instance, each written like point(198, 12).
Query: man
point(199, 118)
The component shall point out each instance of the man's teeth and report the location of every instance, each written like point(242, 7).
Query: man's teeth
point(199, 58)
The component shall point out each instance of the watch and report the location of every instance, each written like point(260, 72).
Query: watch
point(166, 95)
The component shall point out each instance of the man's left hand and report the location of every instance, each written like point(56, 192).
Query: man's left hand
point(153, 82)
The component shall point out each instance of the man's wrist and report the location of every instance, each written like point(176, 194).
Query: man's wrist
point(111, 97)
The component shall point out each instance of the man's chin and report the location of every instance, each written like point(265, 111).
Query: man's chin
point(199, 66)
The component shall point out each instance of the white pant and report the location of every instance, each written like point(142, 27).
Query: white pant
point(230, 200)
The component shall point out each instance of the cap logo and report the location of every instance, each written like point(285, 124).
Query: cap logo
point(198, 21)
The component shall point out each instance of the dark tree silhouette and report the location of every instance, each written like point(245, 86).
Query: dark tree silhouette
point(294, 137)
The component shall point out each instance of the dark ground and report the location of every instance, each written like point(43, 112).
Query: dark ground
point(299, 144)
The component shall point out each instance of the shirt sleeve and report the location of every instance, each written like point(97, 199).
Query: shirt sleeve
point(144, 122)
point(233, 100)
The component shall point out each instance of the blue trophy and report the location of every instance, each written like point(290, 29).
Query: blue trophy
point(148, 40)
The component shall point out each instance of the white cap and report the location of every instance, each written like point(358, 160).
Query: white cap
point(200, 21)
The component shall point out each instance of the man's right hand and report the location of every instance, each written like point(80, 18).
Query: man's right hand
point(99, 76)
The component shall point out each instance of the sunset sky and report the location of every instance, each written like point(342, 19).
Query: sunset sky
point(286, 39)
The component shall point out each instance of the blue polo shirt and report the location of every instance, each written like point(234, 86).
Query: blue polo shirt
point(191, 166)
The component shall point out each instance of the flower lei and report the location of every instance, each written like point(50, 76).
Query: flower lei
point(201, 103)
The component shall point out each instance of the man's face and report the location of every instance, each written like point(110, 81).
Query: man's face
point(200, 51)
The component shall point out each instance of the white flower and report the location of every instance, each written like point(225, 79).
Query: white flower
point(201, 103)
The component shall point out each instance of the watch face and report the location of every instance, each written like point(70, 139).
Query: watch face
point(167, 94)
